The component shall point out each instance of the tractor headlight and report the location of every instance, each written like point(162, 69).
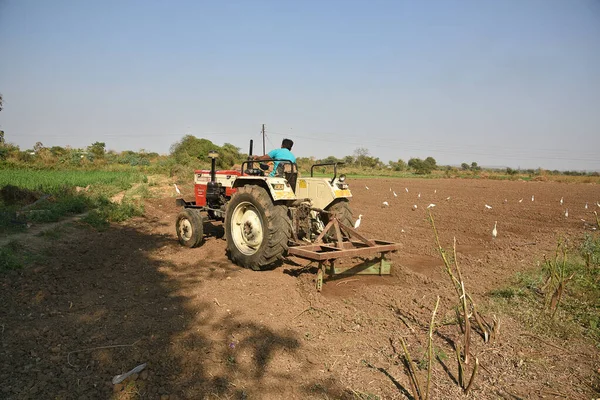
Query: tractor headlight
point(342, 178)
point(277, 186)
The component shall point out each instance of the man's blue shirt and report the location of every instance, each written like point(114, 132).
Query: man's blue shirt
point(280, 154)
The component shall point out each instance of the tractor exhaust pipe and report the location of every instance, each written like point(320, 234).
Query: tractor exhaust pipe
point(213, 165)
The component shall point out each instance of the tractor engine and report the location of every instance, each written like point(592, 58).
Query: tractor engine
point(214, 188)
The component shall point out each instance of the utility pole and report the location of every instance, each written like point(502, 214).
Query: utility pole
point(263, 135)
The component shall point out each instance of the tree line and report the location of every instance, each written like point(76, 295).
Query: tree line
point(192, 152)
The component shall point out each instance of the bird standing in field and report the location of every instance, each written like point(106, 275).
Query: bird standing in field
point(495, 231)
point(561, 201)
point(567, 213)
point(532, 198)
point(521, 200)
point(177, 189)
point(586, 206)
point(395, 195)
point(406, 190)
point(419, 195)
point(386, 204)
point(357, 223)
point(366, 187)
point(488, 207)
point(431, 205)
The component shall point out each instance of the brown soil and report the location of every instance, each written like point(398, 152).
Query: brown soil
point(100, 303)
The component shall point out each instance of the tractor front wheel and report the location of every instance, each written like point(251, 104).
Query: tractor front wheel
point(190, 231)
point(257, 231)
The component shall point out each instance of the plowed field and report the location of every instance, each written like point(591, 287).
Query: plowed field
point(98, 304)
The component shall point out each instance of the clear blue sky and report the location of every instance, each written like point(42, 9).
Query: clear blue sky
point(500, 82)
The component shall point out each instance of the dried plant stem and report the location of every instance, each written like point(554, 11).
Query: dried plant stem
point(414, 380)
point(461, 372)
point(430, 347)
point(475, 369)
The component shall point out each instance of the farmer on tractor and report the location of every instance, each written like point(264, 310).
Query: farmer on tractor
point(284, 153)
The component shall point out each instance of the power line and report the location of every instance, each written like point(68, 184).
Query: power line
point(443, 150)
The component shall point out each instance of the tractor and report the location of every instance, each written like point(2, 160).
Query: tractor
point(268, 217)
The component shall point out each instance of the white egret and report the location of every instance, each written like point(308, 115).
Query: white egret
point(435, 191)
point(532, 198)
point(431, 205)
point(521, 200)
point(561, 201)
point(447, 198)
point(586, 206)
point(567, 213)
point(495, 231)
point(488, 207)
point(419, 195)
point(406, 190)
point(395, 195)
point(177, 189)
point(366, 187)
point(414, 207)
point(385, 203)
point(357, 223)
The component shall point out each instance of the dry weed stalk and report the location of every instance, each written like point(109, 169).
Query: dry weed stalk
point(468, 309)
point(488, 331)
point(414, 379)
point(430, 347)
point(466, 387)
point(557, 279)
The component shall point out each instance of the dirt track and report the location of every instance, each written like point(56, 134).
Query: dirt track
point(101, 303)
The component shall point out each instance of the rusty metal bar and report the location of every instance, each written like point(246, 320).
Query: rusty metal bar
point(323, 253)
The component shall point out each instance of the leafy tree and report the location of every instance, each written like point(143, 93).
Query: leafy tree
point(1, 102)
point(360, 154)
point(190, 149)
point(1, 136)
point(475, 166)
point(330, 159)
point(419, 166)
point(58, 151)
point(430, 161)
point(465, 166)
point(97, 149)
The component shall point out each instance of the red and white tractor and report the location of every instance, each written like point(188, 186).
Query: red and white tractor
point(263, 214)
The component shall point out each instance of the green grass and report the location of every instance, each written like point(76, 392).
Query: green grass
point(64, 200)
point(51, 181)
point(578, 313)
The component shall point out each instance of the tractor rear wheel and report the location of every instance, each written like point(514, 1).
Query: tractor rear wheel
point(190, 231)
point(257, 231)
point(341, 210)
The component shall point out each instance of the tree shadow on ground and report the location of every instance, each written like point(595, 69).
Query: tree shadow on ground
point(98, 304)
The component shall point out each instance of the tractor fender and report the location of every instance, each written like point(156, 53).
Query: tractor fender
point(278, 188)
point(321, 191)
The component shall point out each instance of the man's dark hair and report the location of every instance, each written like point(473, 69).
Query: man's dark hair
point(287, 143)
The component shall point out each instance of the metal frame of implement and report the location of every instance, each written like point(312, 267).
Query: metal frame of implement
point(327, 253)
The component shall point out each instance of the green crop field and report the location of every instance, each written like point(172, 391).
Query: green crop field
point(52, 180)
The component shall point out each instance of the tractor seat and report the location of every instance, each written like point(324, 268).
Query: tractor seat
point(290, 174)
